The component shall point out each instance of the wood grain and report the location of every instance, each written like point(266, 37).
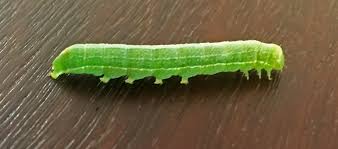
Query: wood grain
point(298, 109)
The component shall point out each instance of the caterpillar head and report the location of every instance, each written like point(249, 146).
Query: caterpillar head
point(58, 64)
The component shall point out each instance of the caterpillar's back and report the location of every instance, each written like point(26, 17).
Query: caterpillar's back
point(163, 61)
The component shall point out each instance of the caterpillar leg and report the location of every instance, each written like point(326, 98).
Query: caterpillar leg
point(269, 74)
point(259, 73)
point(112, 73)
point(105, 79)
point(137, 75)
point(129, 81)
point(160, 76)
point(245, 73)
point(184, 81)
point(158, 81)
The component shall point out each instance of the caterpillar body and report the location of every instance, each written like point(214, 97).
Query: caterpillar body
point(163, 61)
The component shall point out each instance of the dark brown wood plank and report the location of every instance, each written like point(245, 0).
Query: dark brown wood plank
point(298, 109)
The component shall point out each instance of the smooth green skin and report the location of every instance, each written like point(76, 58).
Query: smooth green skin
point(164, 61)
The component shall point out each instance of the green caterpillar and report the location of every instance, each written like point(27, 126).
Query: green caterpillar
point(163, 61)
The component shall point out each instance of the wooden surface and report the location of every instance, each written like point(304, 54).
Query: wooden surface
point(298, 109)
